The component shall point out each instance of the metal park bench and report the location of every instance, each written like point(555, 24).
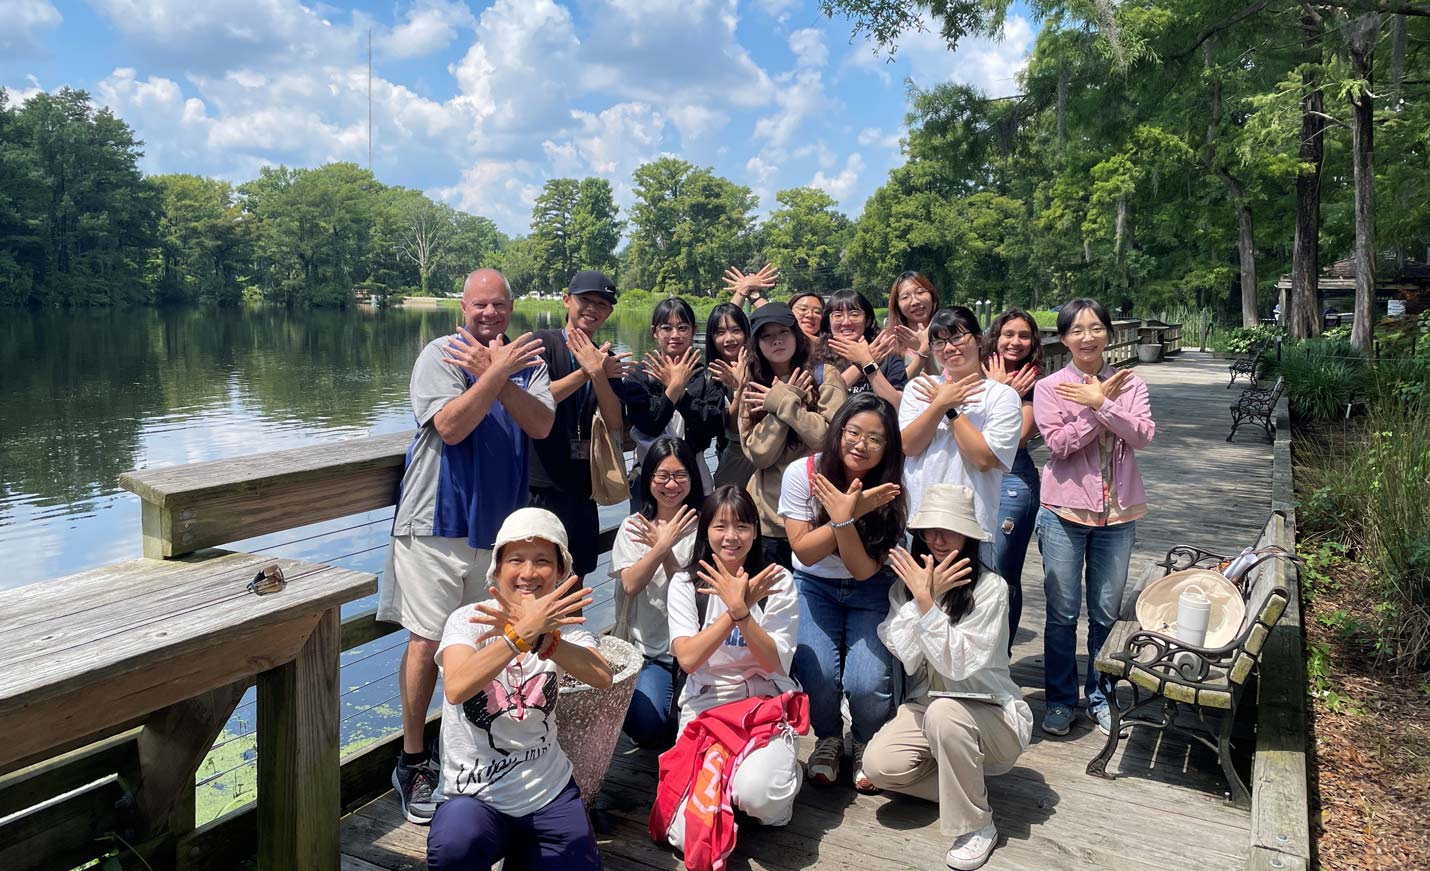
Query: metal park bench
point(1258, 405)
point(1165, 674)
point(1248, 367)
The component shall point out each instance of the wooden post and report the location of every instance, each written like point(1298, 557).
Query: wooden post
point(298, 777)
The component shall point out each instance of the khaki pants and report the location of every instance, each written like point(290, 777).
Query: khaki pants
point(937, 753)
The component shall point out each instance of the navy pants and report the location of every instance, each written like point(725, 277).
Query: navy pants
point(651, 718)
point(468, 833)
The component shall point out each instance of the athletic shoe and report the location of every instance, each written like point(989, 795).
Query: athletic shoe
point(824, 761)
point(1057, 720)
point(971, 850)
point(862, 783)
point(1103, 718)
point(414, 785)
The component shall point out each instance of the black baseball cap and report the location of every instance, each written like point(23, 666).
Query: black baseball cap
point(593, 281)
point(771, 313)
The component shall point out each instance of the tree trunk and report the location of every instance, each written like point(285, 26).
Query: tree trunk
point(1361, 36)
point(1246, 235)
point(1302, 315)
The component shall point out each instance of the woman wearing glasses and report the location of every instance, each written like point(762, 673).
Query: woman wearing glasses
point(960, 427)
point(864, 356)
point(1093, 418)
point(650, 547)
point(912, 302)
point(672, 394)
point(843, 509)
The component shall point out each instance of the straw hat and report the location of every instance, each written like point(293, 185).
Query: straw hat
point(1157, 604)
point(526, 524)
point(949, 506)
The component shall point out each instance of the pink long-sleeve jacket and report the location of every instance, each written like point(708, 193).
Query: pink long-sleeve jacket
point(1072, 478)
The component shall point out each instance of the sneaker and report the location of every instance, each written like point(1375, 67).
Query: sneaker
point(1057, 720)
point(414, 785)
point(824, 761)
point(862, 783)
point(971, 850)
point(1102, 716)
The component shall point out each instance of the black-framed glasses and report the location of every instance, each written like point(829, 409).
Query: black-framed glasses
point(663, 478)
point(953, 340)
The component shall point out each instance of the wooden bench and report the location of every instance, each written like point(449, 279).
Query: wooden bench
point(1165, 674)
point(169, 648)
point(1258, 406)
point(1248, 367)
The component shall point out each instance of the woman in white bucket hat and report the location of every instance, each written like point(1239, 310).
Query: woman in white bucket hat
point(510, 790)
point(964, 716)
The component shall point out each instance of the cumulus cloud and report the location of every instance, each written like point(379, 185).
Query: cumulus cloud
point(503, 190)
point(777, 9)
point(800, 97)
point(808, 47)
point(429, 26)
point(18, 95)
point(841, 185)
point(25, 24)
point(874, 136)
point(990, 65)
point(696, 122)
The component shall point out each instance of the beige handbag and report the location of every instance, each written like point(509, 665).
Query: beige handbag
point(609, 485)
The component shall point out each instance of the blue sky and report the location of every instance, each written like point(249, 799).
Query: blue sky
point(479, 103)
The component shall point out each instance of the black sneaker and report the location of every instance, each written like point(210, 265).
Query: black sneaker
point(415, 785)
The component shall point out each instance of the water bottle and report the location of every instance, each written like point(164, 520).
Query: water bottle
point(1194, 611)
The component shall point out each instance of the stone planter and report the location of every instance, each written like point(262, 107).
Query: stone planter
point(1149, 353)
point(589, 720)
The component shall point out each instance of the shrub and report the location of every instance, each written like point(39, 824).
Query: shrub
point(1241, 339)
point(1321, 376)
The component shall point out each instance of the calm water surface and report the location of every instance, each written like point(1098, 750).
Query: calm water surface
point(89, 395)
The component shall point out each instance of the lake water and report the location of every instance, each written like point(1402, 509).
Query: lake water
point(88, 395)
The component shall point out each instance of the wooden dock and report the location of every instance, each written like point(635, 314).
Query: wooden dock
point(1165, 812)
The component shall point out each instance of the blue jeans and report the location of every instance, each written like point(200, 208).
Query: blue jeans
point(651, 718)
point(840, 652)
point(1017, 514)
point(1070, 552)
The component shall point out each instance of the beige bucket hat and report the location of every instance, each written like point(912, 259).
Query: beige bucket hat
point(949, 506)
point(1157, 604)
point(526, 524)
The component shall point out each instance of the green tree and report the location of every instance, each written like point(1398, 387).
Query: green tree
point(204, 241)
point(688, 225)
point(805, 237)
point(596, 225)
point(574, 226)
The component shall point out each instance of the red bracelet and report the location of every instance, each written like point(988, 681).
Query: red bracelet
point(550, 646)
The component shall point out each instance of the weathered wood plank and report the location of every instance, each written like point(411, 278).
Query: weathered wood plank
point(64, 834)
point(298, 778)
point(117, 754)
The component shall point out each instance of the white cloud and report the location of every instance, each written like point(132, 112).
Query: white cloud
point(619, 139)
point(808, 47)
point(18, 96)
point(990, 65)
point(696, 122)
point(24, 24)
point(800, 97)
point(777, 9)
point(874, 136)
point(841, 185)
point(823, 154)
point(503, 190)
point(430, 26)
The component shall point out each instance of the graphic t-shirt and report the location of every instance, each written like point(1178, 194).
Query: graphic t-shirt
point(500, 745)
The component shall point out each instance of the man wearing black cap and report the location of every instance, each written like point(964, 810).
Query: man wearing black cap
point(584, 379)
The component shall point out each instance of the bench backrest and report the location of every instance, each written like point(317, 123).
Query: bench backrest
point(1277, 389)
point(1265, 602)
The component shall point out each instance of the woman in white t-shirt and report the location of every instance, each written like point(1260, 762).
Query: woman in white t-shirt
point(734, 620)
point(843, 510)
point(510, 793)
point(959, 427)
point(650, 547)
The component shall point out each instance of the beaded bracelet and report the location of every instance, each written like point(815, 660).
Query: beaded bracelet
point(515, 640)
point(550, 646)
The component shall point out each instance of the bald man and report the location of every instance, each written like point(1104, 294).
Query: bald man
point(479, 399)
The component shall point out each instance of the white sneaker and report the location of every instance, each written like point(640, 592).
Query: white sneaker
point(971, 850)
point(824, 761)
point(861, 783)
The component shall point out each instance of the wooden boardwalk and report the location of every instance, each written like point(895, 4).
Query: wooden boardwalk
point(1164, 812)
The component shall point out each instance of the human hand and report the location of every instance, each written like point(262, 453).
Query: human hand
point(856, 351)
point(749, 286)
point(754, 394)
point(1114, 386)
point(762, 584)
point(916, 576)
point(532, 616)
point(883, 345)
point(732, 589)
point(1023, 380)
point(949, 574)
point(661, 536)
point(590, 358)
point(854, 502)
point(511, 358)
point(948, 393)
point(1091, 392)
point(731, 375)
point(802, 382)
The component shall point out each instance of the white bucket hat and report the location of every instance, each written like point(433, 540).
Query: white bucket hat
point(949, 506)
point(526, 524)
point(1157, 604)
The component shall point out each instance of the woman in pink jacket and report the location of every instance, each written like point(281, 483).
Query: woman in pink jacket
point(1093, 418)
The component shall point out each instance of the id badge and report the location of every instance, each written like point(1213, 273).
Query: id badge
point(580, 449)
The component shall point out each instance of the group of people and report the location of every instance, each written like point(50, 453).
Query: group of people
point(853, 556)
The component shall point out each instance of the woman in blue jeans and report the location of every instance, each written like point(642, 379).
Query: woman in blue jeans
point(1093, 419)
point(844, 509)
point(1013, 355)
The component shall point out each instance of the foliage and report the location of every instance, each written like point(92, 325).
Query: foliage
point(573, 227)
point(687, 226)
point(1240, 340)
point(1322, 376)
point(805, 237)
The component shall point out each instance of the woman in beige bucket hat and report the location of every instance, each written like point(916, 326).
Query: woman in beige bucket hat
point(963, 717)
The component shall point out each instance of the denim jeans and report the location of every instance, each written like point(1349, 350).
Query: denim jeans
point(1072, 552)
point(651, 718)
point(840, 652)
point(1017, 513)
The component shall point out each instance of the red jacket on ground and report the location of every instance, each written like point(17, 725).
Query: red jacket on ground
point(703, 763)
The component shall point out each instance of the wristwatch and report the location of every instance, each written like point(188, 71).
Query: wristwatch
point(869, 368)
point(951, 414)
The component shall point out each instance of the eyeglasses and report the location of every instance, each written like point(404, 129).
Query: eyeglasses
point(1096, 331)
point(869, 440)
point(951, 341)
point(675, 329)
point(815, 310)
point(662, 478)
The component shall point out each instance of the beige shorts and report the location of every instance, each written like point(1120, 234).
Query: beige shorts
point(427, 578)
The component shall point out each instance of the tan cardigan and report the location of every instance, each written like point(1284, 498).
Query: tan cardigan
point(768, 444)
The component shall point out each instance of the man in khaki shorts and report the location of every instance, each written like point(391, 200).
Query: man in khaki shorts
point(479, 399)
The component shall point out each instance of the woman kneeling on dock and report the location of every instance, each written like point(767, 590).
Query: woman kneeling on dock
point(733, 624)
point(510, 792)
point(965, 718)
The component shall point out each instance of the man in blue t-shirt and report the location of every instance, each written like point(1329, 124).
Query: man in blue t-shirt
point(479, 398)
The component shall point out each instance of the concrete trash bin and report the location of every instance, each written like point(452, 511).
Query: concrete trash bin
point(589, 720)
point(1149, 353)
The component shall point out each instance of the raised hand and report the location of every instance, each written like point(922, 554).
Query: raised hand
point(917, 577)
point(856, 351)
point(1113, 387)
point(996, 369)
point(662, 536)
point(754, 397)
point(533, 616)
point(741, 284)
point(732, 375)
point(948, 393)
point(913, 340)
point(883, 345)
point(1023, 380)
point(1092, 391)
point(949, 574)
point(762, 584)
point(854, 502)
point(681, 371)
point(732, 589)
point(511, 358)
point(801, 381)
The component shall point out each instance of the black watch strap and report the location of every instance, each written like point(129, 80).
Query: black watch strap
point(951, 414)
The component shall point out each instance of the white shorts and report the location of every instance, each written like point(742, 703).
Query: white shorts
point(427, 578)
